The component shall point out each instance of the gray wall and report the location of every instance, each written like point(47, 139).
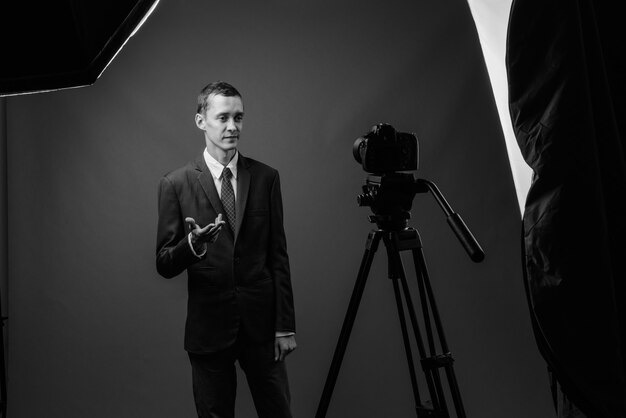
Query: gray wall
point(94, 331)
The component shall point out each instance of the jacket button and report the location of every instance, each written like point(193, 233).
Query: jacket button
point(236, 260)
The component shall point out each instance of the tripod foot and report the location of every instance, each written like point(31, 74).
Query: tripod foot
point(426, 410)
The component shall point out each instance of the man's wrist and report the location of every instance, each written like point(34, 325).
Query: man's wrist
point(280, 334)
point(199, 250)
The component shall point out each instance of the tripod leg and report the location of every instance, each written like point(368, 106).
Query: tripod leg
point(396, 271)
point(396, 243)
point(434, 396)
point(429, 364)
point(428, 300)
point(372, 245)
point(407, 343)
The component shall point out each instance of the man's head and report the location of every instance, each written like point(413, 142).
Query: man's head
point(217, 87)
point(220, 116)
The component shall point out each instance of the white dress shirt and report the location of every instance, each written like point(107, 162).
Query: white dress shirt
point(216, 168)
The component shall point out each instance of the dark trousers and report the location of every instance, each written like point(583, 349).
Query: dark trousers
point(215, 381)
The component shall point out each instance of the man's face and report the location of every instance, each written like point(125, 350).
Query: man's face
point(222, 122)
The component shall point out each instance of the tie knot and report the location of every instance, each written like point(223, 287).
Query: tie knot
point(226, 174)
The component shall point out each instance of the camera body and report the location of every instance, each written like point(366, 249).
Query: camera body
point(384, 150)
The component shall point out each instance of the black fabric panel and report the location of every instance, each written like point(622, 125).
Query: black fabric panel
point(566, 97)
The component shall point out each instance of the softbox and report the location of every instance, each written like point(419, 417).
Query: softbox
point(56, 44)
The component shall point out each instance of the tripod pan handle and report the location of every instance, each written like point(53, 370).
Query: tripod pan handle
point(462, 232)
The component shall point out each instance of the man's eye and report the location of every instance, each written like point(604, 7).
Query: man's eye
point(239, 118)
point(223, 118)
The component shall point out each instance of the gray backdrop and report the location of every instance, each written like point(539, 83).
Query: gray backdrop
point(95, 332)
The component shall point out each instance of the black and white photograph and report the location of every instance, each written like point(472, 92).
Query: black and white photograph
point(299, 209)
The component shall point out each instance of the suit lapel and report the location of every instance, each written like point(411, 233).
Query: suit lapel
point(243, 185)
point(208, 185)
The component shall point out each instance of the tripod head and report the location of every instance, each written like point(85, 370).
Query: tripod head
point(390, 197)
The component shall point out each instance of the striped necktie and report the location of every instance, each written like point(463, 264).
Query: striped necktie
point(228, 198)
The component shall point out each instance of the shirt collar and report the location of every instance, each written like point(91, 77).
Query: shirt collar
point(216, 168)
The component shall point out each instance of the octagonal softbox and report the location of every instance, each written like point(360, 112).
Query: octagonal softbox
point(54, 44)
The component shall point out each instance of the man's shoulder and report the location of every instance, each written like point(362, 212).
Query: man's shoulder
point(186, 172)
point(257, 166)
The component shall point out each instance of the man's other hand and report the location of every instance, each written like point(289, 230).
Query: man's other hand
point(283, 346)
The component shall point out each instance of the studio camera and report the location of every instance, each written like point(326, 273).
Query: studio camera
point(384, 150)
point(385, 153)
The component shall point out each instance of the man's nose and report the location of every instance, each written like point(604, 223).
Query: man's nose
point(231, 126)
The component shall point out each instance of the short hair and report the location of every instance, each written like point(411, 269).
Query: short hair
point(216, 87)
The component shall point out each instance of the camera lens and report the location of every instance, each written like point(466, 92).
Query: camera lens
point(356, 149)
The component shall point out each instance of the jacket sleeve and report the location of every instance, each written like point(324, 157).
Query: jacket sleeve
point(173, 253)
point(279, 263)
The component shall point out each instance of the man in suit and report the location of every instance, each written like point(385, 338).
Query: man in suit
point(221, 219)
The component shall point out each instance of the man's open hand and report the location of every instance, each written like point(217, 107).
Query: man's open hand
point(207, 234)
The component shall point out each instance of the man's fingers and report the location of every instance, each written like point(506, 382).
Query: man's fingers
point(209, 232)
point(217, 226)
point(282, 352)
point(191, 222)
point(283, 346)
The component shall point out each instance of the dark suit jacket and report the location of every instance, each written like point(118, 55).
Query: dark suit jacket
point(243, 281)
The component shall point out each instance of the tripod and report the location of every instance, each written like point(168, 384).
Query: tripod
point(397, 238)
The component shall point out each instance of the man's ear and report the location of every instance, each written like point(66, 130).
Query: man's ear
point(200, 121)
